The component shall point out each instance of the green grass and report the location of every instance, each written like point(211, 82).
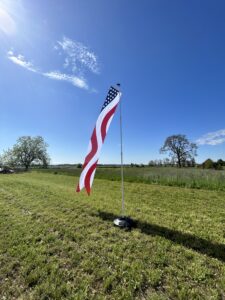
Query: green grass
point(168, 176)
point(56, 244)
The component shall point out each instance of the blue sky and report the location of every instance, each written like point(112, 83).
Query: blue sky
point(58, 59)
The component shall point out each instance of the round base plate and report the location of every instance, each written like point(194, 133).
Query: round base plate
point(123, 222)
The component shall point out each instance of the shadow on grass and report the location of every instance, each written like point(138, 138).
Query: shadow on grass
point(190, 241)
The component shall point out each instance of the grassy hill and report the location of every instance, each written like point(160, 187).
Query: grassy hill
point(56, 244)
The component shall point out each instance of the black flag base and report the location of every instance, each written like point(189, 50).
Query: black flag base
point(124, 222)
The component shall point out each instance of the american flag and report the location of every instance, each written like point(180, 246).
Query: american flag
point(97, 139)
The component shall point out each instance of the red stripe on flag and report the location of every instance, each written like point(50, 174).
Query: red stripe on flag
point(105, 122)
point(88, 177)
point(94, 148)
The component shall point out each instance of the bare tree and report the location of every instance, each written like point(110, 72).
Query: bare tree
point(180, 149)
point(27, 150)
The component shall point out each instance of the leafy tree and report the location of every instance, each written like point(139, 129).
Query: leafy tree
point(8, 159)
point(221, 162)
point(180, 149)
point(151, 163)
point(27, 150)
point(217, 166)
point(210, 164)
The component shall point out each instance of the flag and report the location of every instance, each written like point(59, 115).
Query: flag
point(97, 139)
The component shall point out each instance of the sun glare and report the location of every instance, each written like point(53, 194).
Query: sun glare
point(7, 24)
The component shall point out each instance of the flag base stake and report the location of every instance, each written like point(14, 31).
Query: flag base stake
point(124, 222)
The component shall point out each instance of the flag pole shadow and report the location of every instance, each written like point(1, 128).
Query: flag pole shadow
point(190, 241)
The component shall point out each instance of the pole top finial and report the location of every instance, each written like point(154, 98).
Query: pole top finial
point(117, 86)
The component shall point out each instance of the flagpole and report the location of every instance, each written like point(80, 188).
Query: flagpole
point(123, 221)
point(121, 160)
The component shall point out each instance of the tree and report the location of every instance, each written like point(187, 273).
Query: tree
point(221, 162)
point(151, 163)
point(8, 159)
point(210, 164)
point(180, 149)
point(166, 162)
point(27, 150)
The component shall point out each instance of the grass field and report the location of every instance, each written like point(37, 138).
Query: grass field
point(56, 244)
point(169, 176)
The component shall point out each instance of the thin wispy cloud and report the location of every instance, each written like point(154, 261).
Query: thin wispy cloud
point(212, 138)
point(76, 81)
point(20, 60)
point(79, 82)
point(78, 57)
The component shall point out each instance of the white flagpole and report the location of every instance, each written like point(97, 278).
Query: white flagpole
point(121, 157)
point(123, 221)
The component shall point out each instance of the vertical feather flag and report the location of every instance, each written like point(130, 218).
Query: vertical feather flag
point(97, 139)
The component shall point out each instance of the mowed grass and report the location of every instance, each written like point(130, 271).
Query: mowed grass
point(56, 244)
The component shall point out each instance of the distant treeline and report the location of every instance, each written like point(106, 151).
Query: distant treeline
point(207, 164)
point(210, 164)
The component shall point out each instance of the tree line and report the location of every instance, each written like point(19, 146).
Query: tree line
point(32, 151)
point(183, 153)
